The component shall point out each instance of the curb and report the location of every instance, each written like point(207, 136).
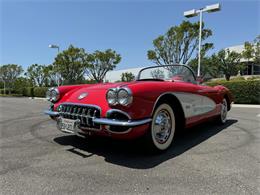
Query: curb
point(37, 98)
point(245, 106)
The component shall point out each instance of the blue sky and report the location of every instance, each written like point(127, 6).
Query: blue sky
point(129, 27)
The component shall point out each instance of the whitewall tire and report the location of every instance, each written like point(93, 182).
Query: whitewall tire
point(162, 127)
point(223, 113)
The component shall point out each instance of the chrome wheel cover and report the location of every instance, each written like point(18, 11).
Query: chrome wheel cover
point(224, 111)
point(163, 126)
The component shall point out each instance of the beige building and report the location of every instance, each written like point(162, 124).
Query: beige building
point(251, 68)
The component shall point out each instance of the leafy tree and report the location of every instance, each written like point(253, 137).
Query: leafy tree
point(89, 81)
point(251, 51)
point(257, 50)
point(157, 74)
point(9, 73)
point(99, 63)
point(37, 74)
point(178, 44)
point(20, 84)
point(209, 67)
point(127, 76)
point(71, 64)
point(248, 52)
point(229, 62)
point(51, 77)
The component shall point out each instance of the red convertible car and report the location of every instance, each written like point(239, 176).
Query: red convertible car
point(161, 100)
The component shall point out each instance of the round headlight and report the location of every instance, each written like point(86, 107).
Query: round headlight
point(53, 94)
point(111, 97)
point(124, 96)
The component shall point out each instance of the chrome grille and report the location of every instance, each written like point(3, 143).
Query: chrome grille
point(85, 113)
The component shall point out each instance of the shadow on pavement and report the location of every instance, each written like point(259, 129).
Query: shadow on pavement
point(132, 153)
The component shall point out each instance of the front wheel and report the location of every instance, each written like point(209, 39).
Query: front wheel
point(163, 128)
point(222, 118)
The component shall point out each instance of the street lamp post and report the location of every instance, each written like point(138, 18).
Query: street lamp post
point(58, 48)
point(4, 86)
point(192, 13)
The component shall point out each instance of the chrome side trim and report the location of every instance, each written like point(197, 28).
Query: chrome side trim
point(51, 113)
point(105, 121)
point(197, 104)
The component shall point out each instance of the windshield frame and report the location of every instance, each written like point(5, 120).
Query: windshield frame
point(150, 67)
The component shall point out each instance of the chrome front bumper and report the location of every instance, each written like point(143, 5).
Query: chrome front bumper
point(113, 122)
point(106, 121)
point(51, 113)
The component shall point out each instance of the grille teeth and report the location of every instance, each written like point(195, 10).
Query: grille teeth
point(84, 113)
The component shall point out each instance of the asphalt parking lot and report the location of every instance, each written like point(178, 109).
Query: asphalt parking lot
point(208, 159)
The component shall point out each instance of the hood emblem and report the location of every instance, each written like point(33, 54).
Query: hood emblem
point(83, 95)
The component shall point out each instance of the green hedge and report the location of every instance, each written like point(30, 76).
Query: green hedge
point(11, 95)
point(40, 91)
point(244, 91)
point(7, 91)
point(26, 91)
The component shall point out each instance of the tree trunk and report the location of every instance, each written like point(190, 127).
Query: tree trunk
point(227, 77)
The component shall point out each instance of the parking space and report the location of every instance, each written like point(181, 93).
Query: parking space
point(208, 159)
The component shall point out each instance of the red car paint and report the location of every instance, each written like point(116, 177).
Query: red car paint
point(145, 95)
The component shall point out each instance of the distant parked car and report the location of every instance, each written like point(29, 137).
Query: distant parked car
point(160, 101)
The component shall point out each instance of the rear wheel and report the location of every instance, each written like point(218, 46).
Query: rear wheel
point(162, 129)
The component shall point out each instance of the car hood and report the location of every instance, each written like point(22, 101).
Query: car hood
point(96, 93)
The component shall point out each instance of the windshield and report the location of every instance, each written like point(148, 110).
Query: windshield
point(167, 73)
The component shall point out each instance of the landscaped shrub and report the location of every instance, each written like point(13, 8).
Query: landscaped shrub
point(7, 91)
point(40, 91)
point(26, 91)
point(244, 91)
point(29, 92)
point(11, 95)
point(21, 90)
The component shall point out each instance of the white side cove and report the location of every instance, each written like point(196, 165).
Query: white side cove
point(194, 104)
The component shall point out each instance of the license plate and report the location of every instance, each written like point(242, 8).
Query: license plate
point(67, 124)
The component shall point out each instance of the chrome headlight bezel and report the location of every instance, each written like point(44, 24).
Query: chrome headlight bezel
point(124, 96)
point(119, 96)
point(111, 96)
point(53, 94)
